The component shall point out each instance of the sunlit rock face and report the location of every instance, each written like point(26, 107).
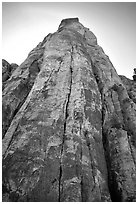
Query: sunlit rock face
point(68, 124)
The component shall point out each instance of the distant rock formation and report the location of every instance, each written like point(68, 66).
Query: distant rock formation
point(69, 123)
point(130, 87)
point(7, 70)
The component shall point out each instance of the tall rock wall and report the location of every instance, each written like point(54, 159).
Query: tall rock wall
point(68, 124)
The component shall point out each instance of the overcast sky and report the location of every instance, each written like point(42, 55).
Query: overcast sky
point(24, 25)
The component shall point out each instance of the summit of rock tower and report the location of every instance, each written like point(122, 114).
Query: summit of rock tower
point(68, 21)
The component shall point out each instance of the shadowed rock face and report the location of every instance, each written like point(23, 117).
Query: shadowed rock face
point(68, 124)
point(130, 86)
point(7, 70)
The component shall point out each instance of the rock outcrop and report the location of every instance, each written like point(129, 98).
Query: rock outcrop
point(68, 124)
point(130, 87)
point(7, 70)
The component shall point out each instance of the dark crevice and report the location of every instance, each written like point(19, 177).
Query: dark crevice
point(112, 182)
point(82, 194)
point(100, 86)
point(115, 191)
point(65, 124)
point(115, 194)
point(60, 176)
point(131, 149)
point(91, 159)
point(81, 184)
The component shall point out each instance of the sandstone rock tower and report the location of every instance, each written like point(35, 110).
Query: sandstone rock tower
point(68, 124)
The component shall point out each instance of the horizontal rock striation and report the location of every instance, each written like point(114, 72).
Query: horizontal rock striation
point(68, 124)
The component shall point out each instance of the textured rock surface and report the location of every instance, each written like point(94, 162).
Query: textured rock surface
point(7, 70)
point(130, 86)
point(68, 124)
point(13, 67)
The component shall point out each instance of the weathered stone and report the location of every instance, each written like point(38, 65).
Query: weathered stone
point(130, 86)
point(70, 135)
point(6, 70)
point(19, 85)
point(13, 67)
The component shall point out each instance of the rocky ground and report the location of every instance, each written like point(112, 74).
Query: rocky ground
point(69, 123)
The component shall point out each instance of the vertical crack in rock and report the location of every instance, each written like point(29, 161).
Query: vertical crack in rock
point(65, 124)
point(81, 168)
point(97, 79)
point(91, 159)
point(82, 197)
point(132, 149)
point(117, 189)
point(115, 172)
point(61, 155)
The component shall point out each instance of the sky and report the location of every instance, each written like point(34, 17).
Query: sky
point(25, 24)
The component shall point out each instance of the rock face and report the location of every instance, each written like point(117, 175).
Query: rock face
point(7, 70)
point(68, 124)
point(130, 86)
